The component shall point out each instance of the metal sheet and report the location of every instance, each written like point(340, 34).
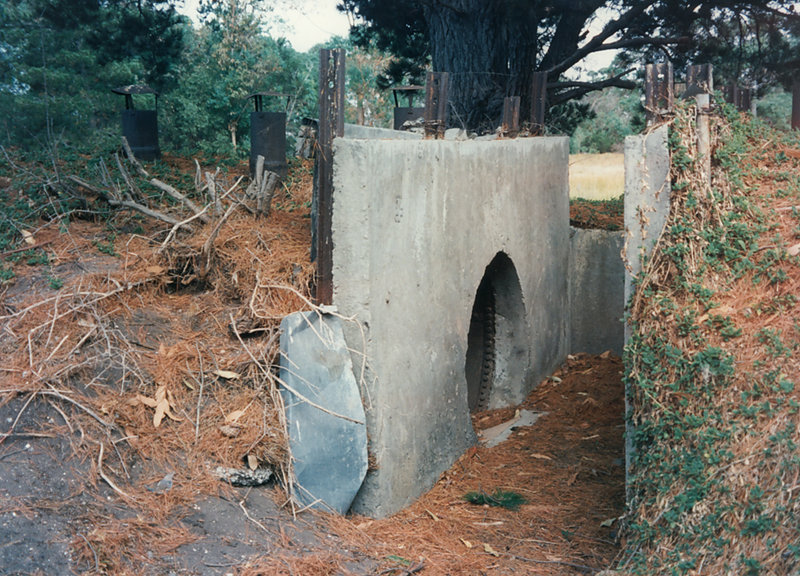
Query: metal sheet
point(324, 414)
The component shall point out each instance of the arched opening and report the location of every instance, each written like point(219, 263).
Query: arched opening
point(497, 343)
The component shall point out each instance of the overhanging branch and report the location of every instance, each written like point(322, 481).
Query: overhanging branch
point(576, 89)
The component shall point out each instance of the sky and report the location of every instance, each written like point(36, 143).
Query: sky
point(307, 22)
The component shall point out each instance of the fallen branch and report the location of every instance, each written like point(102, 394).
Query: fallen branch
point(25, 248)
point(108, 480)
point(132, 158)
point(199, 213)
point(56, 394)
point(143, 209)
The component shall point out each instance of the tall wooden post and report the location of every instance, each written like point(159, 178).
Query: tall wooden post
point(331, 125)
point(436, 89)
point(538, 102)
point(510, 127)
point(659, 92)
point(796, 105)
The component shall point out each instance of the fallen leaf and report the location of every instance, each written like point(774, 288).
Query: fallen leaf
point(794, 250)
point(432, 515)
point(162, 403)
point(540, 456)
point(364, 525)
point(252, 461)
point(608, 523)
point(466, 543)
point(489, 550)
point(226, 374)
point(234, 416)
point(28, 237)
point(155, 270)
point(229, 431)
point(144, 400)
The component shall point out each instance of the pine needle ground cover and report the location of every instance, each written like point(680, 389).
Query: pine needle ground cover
point(712, 367)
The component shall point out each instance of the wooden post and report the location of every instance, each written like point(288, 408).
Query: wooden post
point(331, 125)
point(510, 127)
point(538, 102)
point(436, 88)
point(745, 100)
point(700, 82)
point(796, 105)
point(659, 91)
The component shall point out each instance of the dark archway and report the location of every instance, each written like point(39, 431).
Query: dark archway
point(497, 343)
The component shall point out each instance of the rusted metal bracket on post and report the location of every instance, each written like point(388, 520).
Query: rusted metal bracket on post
point(510, 128)
point(538, 103)
point(331, 125)
point(700, 84)
point(436, 88)
point(659, 92)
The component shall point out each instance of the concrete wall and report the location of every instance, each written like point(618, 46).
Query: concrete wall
point(647, 196)
point(596, 291)
point(415, 225)
point(647, 203)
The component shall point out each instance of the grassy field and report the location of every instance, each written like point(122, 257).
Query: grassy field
point(596, 176)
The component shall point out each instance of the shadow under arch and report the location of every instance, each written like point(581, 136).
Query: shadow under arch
point(497, 343)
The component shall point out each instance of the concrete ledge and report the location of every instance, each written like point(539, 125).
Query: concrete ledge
point(417, 227)
point(358, 132)
point(596, 291)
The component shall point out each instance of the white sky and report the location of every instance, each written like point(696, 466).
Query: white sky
point(307, 22)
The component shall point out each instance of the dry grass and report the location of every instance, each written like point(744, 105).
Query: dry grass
point(144, 358)
point(596, 176)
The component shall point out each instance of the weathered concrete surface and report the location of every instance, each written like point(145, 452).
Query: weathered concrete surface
point(596, 291)
point(356, 131)
point(415, 225)
point(647, 195)
point(324, 413)
point(647, 199)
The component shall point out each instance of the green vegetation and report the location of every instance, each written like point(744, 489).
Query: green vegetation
point(708, 484)
point(500, 498)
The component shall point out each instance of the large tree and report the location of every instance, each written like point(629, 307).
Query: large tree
point(492, 47)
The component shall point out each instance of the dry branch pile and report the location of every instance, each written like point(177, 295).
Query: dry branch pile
point(160, 350)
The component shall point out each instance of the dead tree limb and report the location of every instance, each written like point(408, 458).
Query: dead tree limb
point(143, 209)
point(199, 212)
point(133, 192)
point(129, 153)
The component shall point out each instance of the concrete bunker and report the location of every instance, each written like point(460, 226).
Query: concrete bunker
point(414, 225)
point(496, 341)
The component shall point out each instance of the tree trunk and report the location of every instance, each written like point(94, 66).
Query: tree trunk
point(489, 49)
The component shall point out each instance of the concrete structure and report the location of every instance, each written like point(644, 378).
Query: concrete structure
point(647, 196)
point(419, 229)
point(647, 201)
point(596, 291)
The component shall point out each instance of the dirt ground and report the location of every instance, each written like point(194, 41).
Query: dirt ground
point(568, 466)
point(129, 373)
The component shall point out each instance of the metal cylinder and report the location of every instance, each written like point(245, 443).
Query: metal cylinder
point(268, 139)
point(140, 128)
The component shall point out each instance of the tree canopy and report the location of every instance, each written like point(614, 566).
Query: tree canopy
point(492, 47)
